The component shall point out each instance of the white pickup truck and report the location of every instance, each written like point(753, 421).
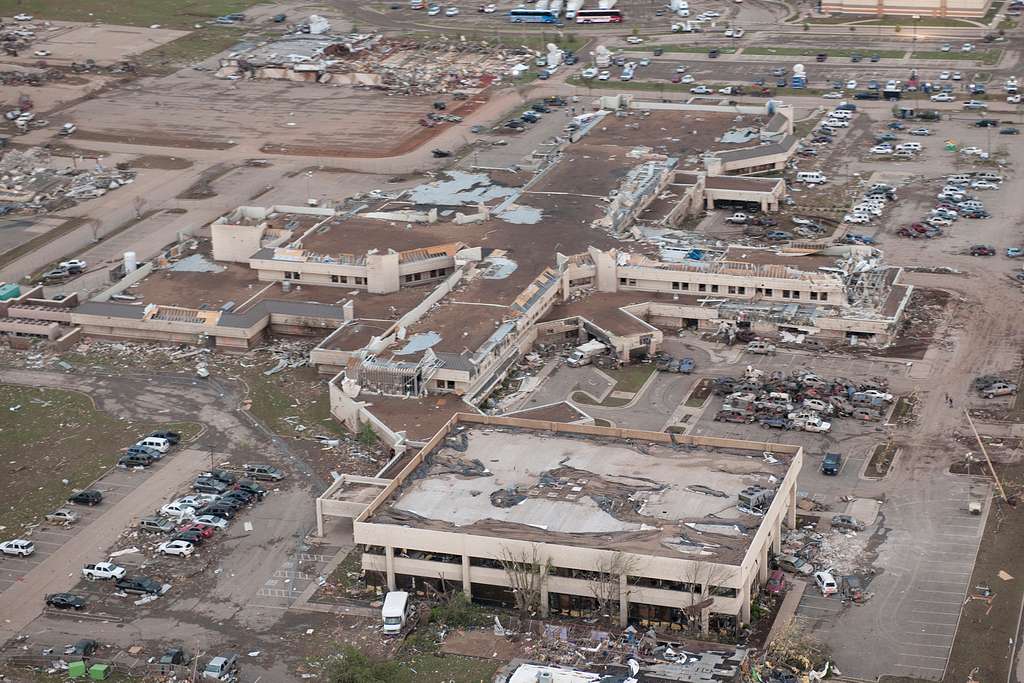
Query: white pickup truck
point(738, 218)
point(103, 570)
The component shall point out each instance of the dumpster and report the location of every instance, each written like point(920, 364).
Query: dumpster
point(99, 672)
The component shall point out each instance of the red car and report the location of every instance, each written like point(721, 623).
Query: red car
point(203, 529)
point(776, 582)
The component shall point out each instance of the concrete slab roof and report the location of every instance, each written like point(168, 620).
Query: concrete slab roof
point(578, 490)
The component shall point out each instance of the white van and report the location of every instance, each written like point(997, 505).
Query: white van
point(156, 443)
point(909, 147)
point(811, 177)
point(844, 114)
point(394, 611)
point(959, 179)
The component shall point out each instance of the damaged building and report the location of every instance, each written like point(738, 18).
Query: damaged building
point(685, 546)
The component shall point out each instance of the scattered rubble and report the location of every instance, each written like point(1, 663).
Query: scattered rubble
point(29, 183)
point(398, 66)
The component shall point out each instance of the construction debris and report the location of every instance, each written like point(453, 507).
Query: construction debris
point(30, 183)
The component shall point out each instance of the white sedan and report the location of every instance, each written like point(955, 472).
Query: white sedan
point(589, 73)
point(451, 12)
point(634, 40)
point(856, 218)
point(943, 97)
point(851, 84)
point(984, 185)
point(832, 95)
point(944, 76)
point(180, 548)
point(179, 511)
point(23, 17)
point(881, 149)
point(687, 79)
point(211, 520)
point(42, 53)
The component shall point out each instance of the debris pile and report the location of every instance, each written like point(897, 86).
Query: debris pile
point(399, 66)
point(796, 400)
point(28, 182)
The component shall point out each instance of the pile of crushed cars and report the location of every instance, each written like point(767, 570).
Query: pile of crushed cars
point(800, 400)
point(28, 183)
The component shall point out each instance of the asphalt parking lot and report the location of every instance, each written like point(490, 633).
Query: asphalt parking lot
point(49, 538)
point(923, 569)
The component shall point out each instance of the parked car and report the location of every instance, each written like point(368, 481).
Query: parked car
point(210, 520)
point(176, 547)
point(134, 460)
point(157, 525)
point(82, 649)
point(687, 365)
point(263, 472)
point(177, 510)
point(733, 416)
point(224, 667)
point(219, 509)
point(62, 516)
point(18, 547)
point(209, 485)
point(831, 464)
point(847, 522)
point(776, 582)
point(999, 389)
point(139, 584)
point(826, 583)
point(982, 250)
point(65, 601)
point(88, 497)
point(103, 571)
point(795, 565)
point(221, 475)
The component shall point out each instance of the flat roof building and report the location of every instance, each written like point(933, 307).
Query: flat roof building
point(682, 526)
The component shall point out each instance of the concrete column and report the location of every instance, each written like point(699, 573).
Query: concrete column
point(791, 510)
point(744, 615)
point(710, 202)
point(389, 566)
point(319, 518)
point(762, 570)
point(777, 542)
point(765, 206)
point(544, 608)
point(705, 621)
point(467, 585)
point(623, 601)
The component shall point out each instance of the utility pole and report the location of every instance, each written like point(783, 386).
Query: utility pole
point(999, 484)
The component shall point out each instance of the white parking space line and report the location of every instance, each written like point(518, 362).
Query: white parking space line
point(910, 654)
point(918, 667)
point(923, 611)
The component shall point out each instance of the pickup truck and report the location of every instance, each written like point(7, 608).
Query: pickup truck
point(760, 347)
point(738, 217)
point(103, 570)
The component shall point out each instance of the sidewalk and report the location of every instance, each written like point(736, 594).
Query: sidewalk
point(788, 608)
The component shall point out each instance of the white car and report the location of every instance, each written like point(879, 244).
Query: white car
point(604, 75)
point(858, 218)
point(875, 393)
point(837, 123)
point(687, 79)
point(826, 583)
point(942, 97)
point(182, 548)
point(645, 62)
point(974, 104)
point(738, 33)
point(179, 511)
point(17, 546)
point(851, 84)
point(490, 9)
point(211, 520)
point(634, 40)
point(972, 151)
point(832, 95)
point(42, 53)
point(728, 33)
point(712, 14)
point(433, 11)
point(957, 76)
point(944, 76)
point(589, 73)
point(451, 12)
point(967, 47)
point(984, 185)
point(939, 222)
point(196, 500)
point(680, 69)
point(701, 90)
point(103, 570)
point(946, 47)
point(1013, 99)
point(921, 131)
point(727, 90)
point(74, 263)
point(23, 17)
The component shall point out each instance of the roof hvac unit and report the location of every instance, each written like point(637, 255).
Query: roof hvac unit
point(755, 498)
point(545, 677)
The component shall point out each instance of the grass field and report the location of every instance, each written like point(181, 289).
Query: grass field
point(190, 49)
point(181, 14)
point(50, 435)
point(291, 398)
point(683, 48)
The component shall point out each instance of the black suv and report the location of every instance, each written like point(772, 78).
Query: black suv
point(831, 464)
point(135, 460)
point(88, 497)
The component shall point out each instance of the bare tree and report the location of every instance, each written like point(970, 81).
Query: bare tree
point(796, 646)
point(605, 582)
point(525, 570)
point(94, 228)
point(703, 578)
point(138, 203)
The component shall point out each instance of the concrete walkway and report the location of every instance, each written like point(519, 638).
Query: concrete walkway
point(788, 608)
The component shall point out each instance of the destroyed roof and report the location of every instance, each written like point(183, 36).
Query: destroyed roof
point(585, 491)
